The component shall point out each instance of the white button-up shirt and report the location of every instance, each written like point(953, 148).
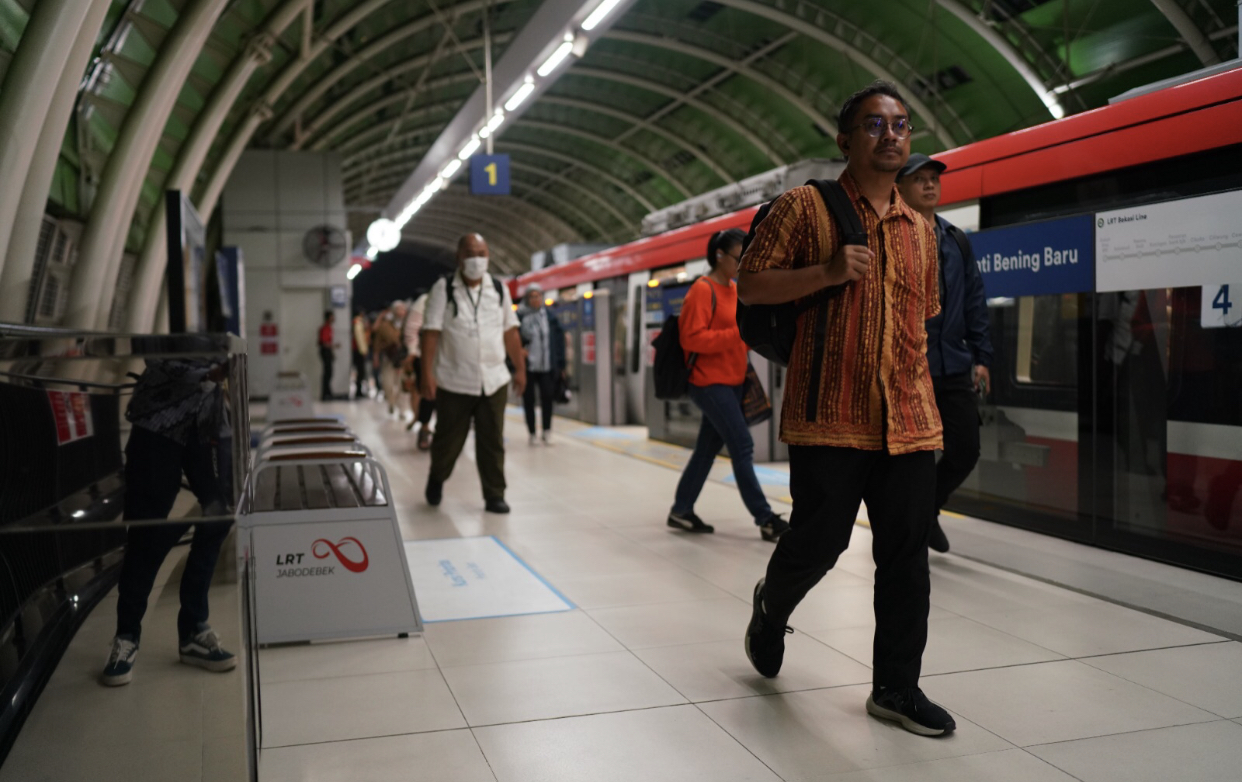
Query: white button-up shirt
point(470, 358)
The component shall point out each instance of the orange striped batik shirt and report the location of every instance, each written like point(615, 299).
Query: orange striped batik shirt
point(875, 388)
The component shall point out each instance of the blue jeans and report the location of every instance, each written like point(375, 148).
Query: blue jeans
point(723, 424)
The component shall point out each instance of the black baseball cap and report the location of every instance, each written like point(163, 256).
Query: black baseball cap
point(919, 160)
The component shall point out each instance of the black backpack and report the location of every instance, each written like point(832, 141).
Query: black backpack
point(671, 368)
point(769, 329)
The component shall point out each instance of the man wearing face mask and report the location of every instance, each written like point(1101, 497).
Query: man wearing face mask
point(468, 329)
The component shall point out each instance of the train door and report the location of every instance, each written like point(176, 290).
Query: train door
point(565, 308)
point(595, 381)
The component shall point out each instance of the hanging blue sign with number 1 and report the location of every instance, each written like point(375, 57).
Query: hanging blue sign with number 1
point(489, 175)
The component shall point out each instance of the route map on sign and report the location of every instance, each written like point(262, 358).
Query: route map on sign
point(1175, 244)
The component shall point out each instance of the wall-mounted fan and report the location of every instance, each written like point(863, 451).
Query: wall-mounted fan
point(324, 246)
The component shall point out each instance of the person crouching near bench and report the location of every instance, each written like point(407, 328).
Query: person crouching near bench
point(468, 329)
point(179, 427)
point(708, 329)
point(870, 433)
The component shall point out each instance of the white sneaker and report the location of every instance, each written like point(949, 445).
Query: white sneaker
point(546, 437)
point(532, 438)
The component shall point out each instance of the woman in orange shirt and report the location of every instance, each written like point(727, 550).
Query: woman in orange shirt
point(716, 380)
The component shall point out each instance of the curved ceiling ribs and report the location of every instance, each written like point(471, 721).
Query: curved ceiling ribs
point(850, 39)
point(677, 98)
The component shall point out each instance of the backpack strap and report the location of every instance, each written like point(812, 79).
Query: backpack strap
point(694, 356)
point(963, 243)
point(850, 230)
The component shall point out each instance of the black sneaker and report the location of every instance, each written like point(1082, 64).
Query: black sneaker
point(772, 529)
point(688, 522)
point(120, 667)
point(936, 541)
point(435, 491)
point(912, 709)
point(765, 642)
point(203, 649)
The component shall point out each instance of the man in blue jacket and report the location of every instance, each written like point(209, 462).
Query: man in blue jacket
point(958, 348)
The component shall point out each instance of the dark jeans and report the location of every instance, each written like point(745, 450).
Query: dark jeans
point(425, 406)
point(827, 485)
point(360, 373)
point(959, 411)
point(723, 424)
point(455, 413)
point(153, 469)
point(546, 382)
point(325, 388)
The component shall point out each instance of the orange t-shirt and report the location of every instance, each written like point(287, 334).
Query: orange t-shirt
point(722, 355)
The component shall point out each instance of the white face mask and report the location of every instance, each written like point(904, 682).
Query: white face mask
point(474, 268)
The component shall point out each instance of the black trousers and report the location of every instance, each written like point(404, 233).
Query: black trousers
point(959, 412)
point(425, 406)
point(153, 467)
point(325, 388)
point(546, 382)
point(827, 485)
point(360, 373)
point(456, 413)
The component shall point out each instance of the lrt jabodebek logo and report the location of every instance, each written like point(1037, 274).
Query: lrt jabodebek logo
point(352, 565)
point(289, 565)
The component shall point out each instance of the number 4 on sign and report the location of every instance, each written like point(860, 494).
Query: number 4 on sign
point(1220, 308)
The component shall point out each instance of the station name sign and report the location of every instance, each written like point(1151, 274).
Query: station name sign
point(1037, 259)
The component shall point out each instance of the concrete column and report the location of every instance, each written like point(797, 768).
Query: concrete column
point(19, 231)
point(99, 259)
point(152, 263)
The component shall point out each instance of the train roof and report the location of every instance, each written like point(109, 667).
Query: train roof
point(1167, 123)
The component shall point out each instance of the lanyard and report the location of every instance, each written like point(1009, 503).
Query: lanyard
point(475, 302)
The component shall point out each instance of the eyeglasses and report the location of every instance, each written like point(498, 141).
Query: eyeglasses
point(874, 127)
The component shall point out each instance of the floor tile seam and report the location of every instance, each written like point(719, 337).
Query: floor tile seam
point(1027, 641)
point(865, 715)
point(1050, 764)
point(604, 713)
point(443, 678)
point(365, 738)
point(641, 661)
point(726, 596)
point(328, 677)
point(1165, 694)
point(1169, 648)
point(739, 742)
point(483, 753)
point(573, 656)
point(1107, 599)
point(1030, 747)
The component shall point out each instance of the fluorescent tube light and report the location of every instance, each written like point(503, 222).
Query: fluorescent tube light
point(521, 95)
point(353, 271)
point(601, 11)
point(471, 147)
point(452, 168)
point(555, 59)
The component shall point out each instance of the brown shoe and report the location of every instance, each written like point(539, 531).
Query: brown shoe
point(424, 438)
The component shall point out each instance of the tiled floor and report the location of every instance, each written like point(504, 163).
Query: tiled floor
point(646, 678)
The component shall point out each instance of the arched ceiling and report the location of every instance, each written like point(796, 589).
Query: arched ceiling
point(678, 97)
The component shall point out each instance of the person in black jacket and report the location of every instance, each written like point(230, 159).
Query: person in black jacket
point(958, 348)
point(544, 340)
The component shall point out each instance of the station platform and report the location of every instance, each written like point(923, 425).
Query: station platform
point(1095, 669)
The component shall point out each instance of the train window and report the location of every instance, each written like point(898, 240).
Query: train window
point(1047, 344)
